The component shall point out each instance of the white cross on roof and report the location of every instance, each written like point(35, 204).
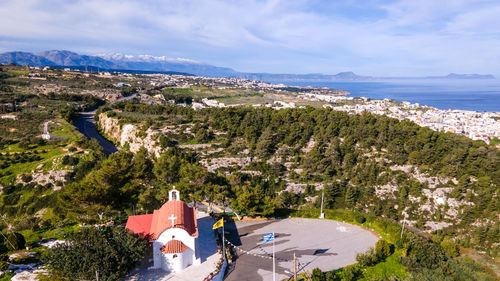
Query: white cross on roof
point(173, 218)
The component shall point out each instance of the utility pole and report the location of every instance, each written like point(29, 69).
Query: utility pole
point(274, 263)
point(97, 275)
point(322, 215)
point(403, 229)
point(294, 267)
point(223, 240)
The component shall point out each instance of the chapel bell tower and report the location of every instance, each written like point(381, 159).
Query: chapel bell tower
point(174, 195)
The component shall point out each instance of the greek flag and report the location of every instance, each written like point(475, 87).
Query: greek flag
point(268, 237)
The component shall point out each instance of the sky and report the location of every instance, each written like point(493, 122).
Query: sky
point(368, 37)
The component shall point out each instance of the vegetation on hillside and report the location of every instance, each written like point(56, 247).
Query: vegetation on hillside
point(374, 169)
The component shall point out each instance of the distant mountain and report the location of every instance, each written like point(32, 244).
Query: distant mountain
point(152, 63)
point(463, 76)
point(23, 58)
point(148, 64)
point(115, 62)
point(341, 76)
point(67, 58)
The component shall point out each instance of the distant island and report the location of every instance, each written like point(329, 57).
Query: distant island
point(463, 76)
point(162, 64)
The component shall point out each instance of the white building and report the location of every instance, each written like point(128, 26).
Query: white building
point(173, 231)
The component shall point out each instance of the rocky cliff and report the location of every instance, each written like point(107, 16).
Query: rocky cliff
point(128, 134)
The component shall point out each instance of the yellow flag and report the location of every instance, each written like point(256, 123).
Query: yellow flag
point(219, 223)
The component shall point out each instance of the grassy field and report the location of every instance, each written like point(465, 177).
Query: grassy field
point(268, 98)
point(50, 154)
point(26, 168)
point(246, 100)
point(65, 130)
point(205, 92)
point(19, 72)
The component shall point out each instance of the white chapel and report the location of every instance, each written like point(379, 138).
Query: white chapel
point(173, 231)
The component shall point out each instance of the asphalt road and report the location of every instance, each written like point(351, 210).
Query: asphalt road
point(85, 124)
point(325, 244)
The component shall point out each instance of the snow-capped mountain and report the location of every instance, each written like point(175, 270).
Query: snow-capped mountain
point(146, 58)
point(116, 62)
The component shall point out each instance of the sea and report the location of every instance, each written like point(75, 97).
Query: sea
point(476, 95)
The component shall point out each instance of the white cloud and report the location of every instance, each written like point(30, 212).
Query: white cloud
point(404, 37)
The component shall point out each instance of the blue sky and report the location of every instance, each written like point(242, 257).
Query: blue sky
point(395, 38)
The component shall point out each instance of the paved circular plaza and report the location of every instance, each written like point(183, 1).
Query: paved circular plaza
point(325, 244)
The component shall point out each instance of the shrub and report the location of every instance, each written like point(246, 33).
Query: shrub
point(450, 248)
point(368, 258)
point(423, 254)
point(26, 177)
point(382, 249)
point(318, 275)
point(4, 266)
point(351, 272)
point(15, 241)
point(111, 251)
point(360, 218)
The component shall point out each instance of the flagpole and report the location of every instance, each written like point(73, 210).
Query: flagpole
point(223, 242)
point(274, 266)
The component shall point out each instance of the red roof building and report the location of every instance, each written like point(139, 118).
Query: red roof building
point(140, 224)
point(173, 229)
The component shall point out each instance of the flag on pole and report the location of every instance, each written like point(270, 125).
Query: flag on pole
point(219, 223)
point(268, 237)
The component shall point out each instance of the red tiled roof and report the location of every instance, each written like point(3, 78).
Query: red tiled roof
point(185, 218)
point(174, 247)
point(140, 224)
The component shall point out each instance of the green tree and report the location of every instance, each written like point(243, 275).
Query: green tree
point(382, 249)
point(111, 252)
point(15, 241)
point(265, 145)
point(318, 275)
point(350, 197)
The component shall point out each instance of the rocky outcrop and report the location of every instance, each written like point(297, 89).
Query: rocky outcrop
point(129, 134)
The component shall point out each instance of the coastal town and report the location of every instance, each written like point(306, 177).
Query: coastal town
point(476, 125)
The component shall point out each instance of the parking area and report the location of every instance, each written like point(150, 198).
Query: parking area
point(325, 244)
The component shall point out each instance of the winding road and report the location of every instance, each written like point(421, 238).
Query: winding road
point(85, 123)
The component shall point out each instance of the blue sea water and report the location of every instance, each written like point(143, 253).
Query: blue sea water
point(476, 95)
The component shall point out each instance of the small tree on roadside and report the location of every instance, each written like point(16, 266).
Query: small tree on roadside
point(382, 249)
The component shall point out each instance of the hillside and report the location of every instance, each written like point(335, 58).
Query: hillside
point(265, 160)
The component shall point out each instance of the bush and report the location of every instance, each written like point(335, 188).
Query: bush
point(450, 248)
point(111, 251)
point(318, 275)
point(26, 177)
point(70, 160)
point(423, 254)
point(4, 266)
point(15, 241)
point(351, 272)
point(382, 249)
point(360, 218)
point(368, 258)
